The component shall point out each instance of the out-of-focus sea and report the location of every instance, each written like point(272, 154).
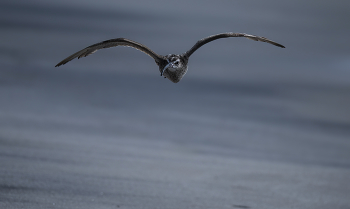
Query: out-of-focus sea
point(251, 125)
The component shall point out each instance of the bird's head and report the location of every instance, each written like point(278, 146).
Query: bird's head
point(175, 68)
point(174, 63)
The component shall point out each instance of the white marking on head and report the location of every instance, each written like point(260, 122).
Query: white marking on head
point(171, 65)
point(176, 62)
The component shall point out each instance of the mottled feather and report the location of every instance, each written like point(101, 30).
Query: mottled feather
point(111, 43)
point(228, 35)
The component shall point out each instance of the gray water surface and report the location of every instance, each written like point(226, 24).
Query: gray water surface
point(251, 125)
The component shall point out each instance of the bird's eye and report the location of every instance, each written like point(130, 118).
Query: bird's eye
point(176, 62)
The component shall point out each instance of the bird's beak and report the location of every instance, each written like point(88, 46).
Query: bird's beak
point(166, 67)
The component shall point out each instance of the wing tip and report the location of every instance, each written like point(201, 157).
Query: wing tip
point(280, 45)
point(59, 64)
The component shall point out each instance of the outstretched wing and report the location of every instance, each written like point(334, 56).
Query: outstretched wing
point(227, 35)
point(111, 43)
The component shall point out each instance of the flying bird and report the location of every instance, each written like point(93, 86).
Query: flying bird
point(172, 66)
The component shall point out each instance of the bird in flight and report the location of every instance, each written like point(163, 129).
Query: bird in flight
point(172, 66)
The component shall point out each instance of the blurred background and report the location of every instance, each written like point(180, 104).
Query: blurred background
point(251, 125)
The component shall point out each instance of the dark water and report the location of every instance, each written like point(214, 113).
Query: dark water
point(249, 126)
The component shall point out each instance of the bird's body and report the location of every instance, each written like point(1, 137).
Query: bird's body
point(171, 66)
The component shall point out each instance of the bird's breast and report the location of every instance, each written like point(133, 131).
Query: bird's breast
point(175, 75)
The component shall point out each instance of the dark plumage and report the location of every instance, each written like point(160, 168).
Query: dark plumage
point(171, 66)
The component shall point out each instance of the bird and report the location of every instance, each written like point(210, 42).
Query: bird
point(171, 66)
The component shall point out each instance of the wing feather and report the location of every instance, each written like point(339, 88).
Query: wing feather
point(228, 35)
point(111, 43)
